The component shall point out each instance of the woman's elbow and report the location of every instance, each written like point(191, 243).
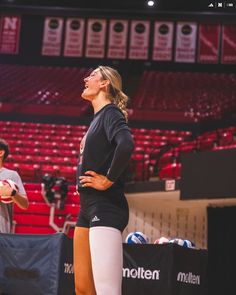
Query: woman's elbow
point(129, 146)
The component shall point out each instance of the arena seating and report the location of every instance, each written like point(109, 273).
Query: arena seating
point(37, 149)
point(167, 96)
point(36, 218)
point(194, 96)
point(42, 90)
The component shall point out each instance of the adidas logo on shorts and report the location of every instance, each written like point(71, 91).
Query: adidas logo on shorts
point(95, 218)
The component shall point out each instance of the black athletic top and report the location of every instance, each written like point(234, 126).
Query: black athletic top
point(106, 149)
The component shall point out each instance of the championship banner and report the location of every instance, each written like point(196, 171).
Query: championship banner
point(36, 264)
point(209, 43)
point(10, 34)
point(163, 41)
point(167, 269)
point(228, 44)
point(96, 37)
point(74, 36)
point(139, 39)
point(186, 35)
point(117, 42)
point(52, 36)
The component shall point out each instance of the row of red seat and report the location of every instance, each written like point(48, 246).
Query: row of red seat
point(152, 151)
point(35, 220)
point(35, 153)
point(182, 95)
point(42, 84)
point(195, 95)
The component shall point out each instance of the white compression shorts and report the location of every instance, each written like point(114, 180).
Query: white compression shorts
point(107, 259)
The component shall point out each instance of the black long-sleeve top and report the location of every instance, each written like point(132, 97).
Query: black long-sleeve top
point(106, 148)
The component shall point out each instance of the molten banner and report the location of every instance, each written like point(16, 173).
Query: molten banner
point(167, 269)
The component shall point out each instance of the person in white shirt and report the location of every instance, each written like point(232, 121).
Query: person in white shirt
point(19, 197)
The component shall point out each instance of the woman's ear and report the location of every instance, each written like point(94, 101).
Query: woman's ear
point(105, 83)
point(2, 153)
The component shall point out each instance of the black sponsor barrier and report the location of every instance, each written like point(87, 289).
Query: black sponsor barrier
point(42, 265)
point(167, 269)
point(36, 264)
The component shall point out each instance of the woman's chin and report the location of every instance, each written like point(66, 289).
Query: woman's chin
point(84, 97)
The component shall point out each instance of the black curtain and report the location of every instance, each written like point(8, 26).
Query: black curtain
point(221, 250)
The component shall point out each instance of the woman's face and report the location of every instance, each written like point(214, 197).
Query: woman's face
point(92, 85)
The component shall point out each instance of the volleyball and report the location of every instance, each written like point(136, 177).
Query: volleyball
point(161, 240)
point(12, 184)
point(189, 244)
point(177, 241)
point(182, 242)
point(137, 237)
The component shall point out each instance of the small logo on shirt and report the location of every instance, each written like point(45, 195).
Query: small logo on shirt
point(95, 218)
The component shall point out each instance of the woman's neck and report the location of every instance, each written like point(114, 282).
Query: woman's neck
point(98, 104)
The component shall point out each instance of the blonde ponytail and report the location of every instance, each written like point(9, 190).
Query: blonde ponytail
point(121, 101)
point(115, 93)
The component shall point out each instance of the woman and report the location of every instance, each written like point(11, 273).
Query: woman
point(105, 152)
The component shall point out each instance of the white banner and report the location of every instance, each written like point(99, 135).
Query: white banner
point(163, 41)
point(139, 39)
point(74, 37)
point(52, 36)
point(10, 34)
point(117, 42)
point(186, 35)
point(96, 38)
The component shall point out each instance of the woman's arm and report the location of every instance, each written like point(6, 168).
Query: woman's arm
point(124, 147)
point(20, 200)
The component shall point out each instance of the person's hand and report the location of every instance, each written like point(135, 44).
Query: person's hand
point(5, 190)
point(5, 194)
point(94, 180)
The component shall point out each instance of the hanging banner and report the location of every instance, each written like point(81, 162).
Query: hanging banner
point(139, 39)
point(208, 43)
point(186, 34)
point(74, 37)
point(163, 41)
point(52, 36)
point(96, 37)
point(228, 44)
point(10, 34)
point(117, 42)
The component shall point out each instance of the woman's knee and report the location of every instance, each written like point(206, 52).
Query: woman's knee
point(84, 290)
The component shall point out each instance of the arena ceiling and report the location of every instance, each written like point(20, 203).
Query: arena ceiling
point(134, 5)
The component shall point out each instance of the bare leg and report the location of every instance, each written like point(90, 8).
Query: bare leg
point(84, 284)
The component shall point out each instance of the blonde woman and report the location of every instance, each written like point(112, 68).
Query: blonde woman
point(105, 152)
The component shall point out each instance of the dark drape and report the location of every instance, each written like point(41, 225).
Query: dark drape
point(221, 250)
point(36, 264)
